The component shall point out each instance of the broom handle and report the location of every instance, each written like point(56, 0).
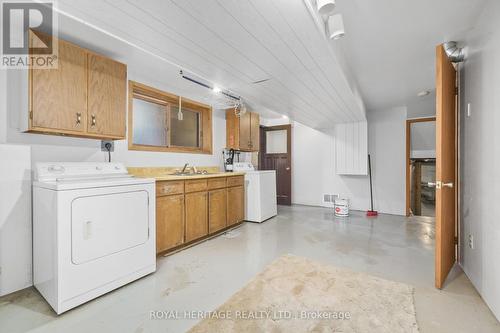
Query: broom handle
point(371, 190)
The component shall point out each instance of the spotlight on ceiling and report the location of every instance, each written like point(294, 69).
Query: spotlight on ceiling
point(284, 116)
point(216, 89)
point(325, 7)
point(336, 27)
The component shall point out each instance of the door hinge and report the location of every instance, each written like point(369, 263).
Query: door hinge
point(456, 91)
point(31, 115)
point(456, 240)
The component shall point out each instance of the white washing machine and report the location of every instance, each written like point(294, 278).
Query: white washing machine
point(93, 230)
point(260, 192)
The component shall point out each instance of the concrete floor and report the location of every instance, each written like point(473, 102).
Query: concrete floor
point(204, 276)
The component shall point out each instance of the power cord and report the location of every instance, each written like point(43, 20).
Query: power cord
point(108, 148)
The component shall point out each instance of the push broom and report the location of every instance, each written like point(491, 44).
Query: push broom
point(371, 212)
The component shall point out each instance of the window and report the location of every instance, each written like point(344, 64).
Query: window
point(157, 124)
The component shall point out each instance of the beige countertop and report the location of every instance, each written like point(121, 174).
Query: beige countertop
point(166, 173)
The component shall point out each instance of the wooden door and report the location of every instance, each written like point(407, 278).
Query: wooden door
point(169, 222)
point(278, 157)
point(217, 203)
point(446, 166)
point(107, 86)
point(235, 205)
point(196, 215)
point(245, 134)
point(254, 131)
point(59, 96)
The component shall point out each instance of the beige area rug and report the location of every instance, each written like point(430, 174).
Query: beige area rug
point(295, 294)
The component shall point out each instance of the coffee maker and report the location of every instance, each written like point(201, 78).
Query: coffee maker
point(228, 157)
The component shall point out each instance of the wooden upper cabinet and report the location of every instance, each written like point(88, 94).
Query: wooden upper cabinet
point(107, 86)
point(245, 131)
point(85, 96)
point(242, 133)
point(254, 131)
point(59, 96)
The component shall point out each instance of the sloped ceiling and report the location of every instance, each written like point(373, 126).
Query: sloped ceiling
point(235, 44)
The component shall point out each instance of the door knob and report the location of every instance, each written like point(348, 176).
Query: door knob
point(449, 185)
point(93, 121)
point(436, 184)
point(287, 168)
point(78, 118)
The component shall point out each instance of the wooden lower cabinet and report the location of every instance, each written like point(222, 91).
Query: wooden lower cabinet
point(184, 213)
point(169, 222)
point(217, 206)
point(235, 205)
point(196, 215)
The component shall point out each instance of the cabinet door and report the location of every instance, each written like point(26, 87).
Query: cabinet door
point(235, 205)
point(245, 138)
point(232, 130)
point(217, 203)
point(196, 215)
point(107, 86)
point(59, 96)
point(169, 222)
point(254, 131)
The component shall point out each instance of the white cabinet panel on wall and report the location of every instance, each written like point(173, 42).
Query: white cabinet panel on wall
point(351, 148)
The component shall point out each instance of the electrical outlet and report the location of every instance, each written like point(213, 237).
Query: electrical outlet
point(471, 242)
point(103, 145)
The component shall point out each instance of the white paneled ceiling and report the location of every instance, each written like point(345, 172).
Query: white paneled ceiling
point(234, 44)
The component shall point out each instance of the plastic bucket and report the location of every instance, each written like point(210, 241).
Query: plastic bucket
point(341, 207)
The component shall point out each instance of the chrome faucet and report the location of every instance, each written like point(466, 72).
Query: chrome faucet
point(185, 166)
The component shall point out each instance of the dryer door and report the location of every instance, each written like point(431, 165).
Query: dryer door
point(105, 224)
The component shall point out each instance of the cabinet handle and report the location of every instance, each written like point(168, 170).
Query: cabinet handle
point(78, 118)
point(93, 121)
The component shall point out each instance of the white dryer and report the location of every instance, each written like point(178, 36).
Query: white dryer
point(93, 230)
point(260, 192)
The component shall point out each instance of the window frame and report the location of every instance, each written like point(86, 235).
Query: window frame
point(150, 94)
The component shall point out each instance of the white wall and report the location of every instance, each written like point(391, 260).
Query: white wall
point(480, 157)
point(314, 171)
point(387, 146)
point(423, 139)
point(422, 106)
point(15, 218)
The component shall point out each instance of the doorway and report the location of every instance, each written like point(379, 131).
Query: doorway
point(275, 153)
point(421, 167)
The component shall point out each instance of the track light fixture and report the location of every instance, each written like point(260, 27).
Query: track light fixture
point(326, 7)
point(336, 27)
